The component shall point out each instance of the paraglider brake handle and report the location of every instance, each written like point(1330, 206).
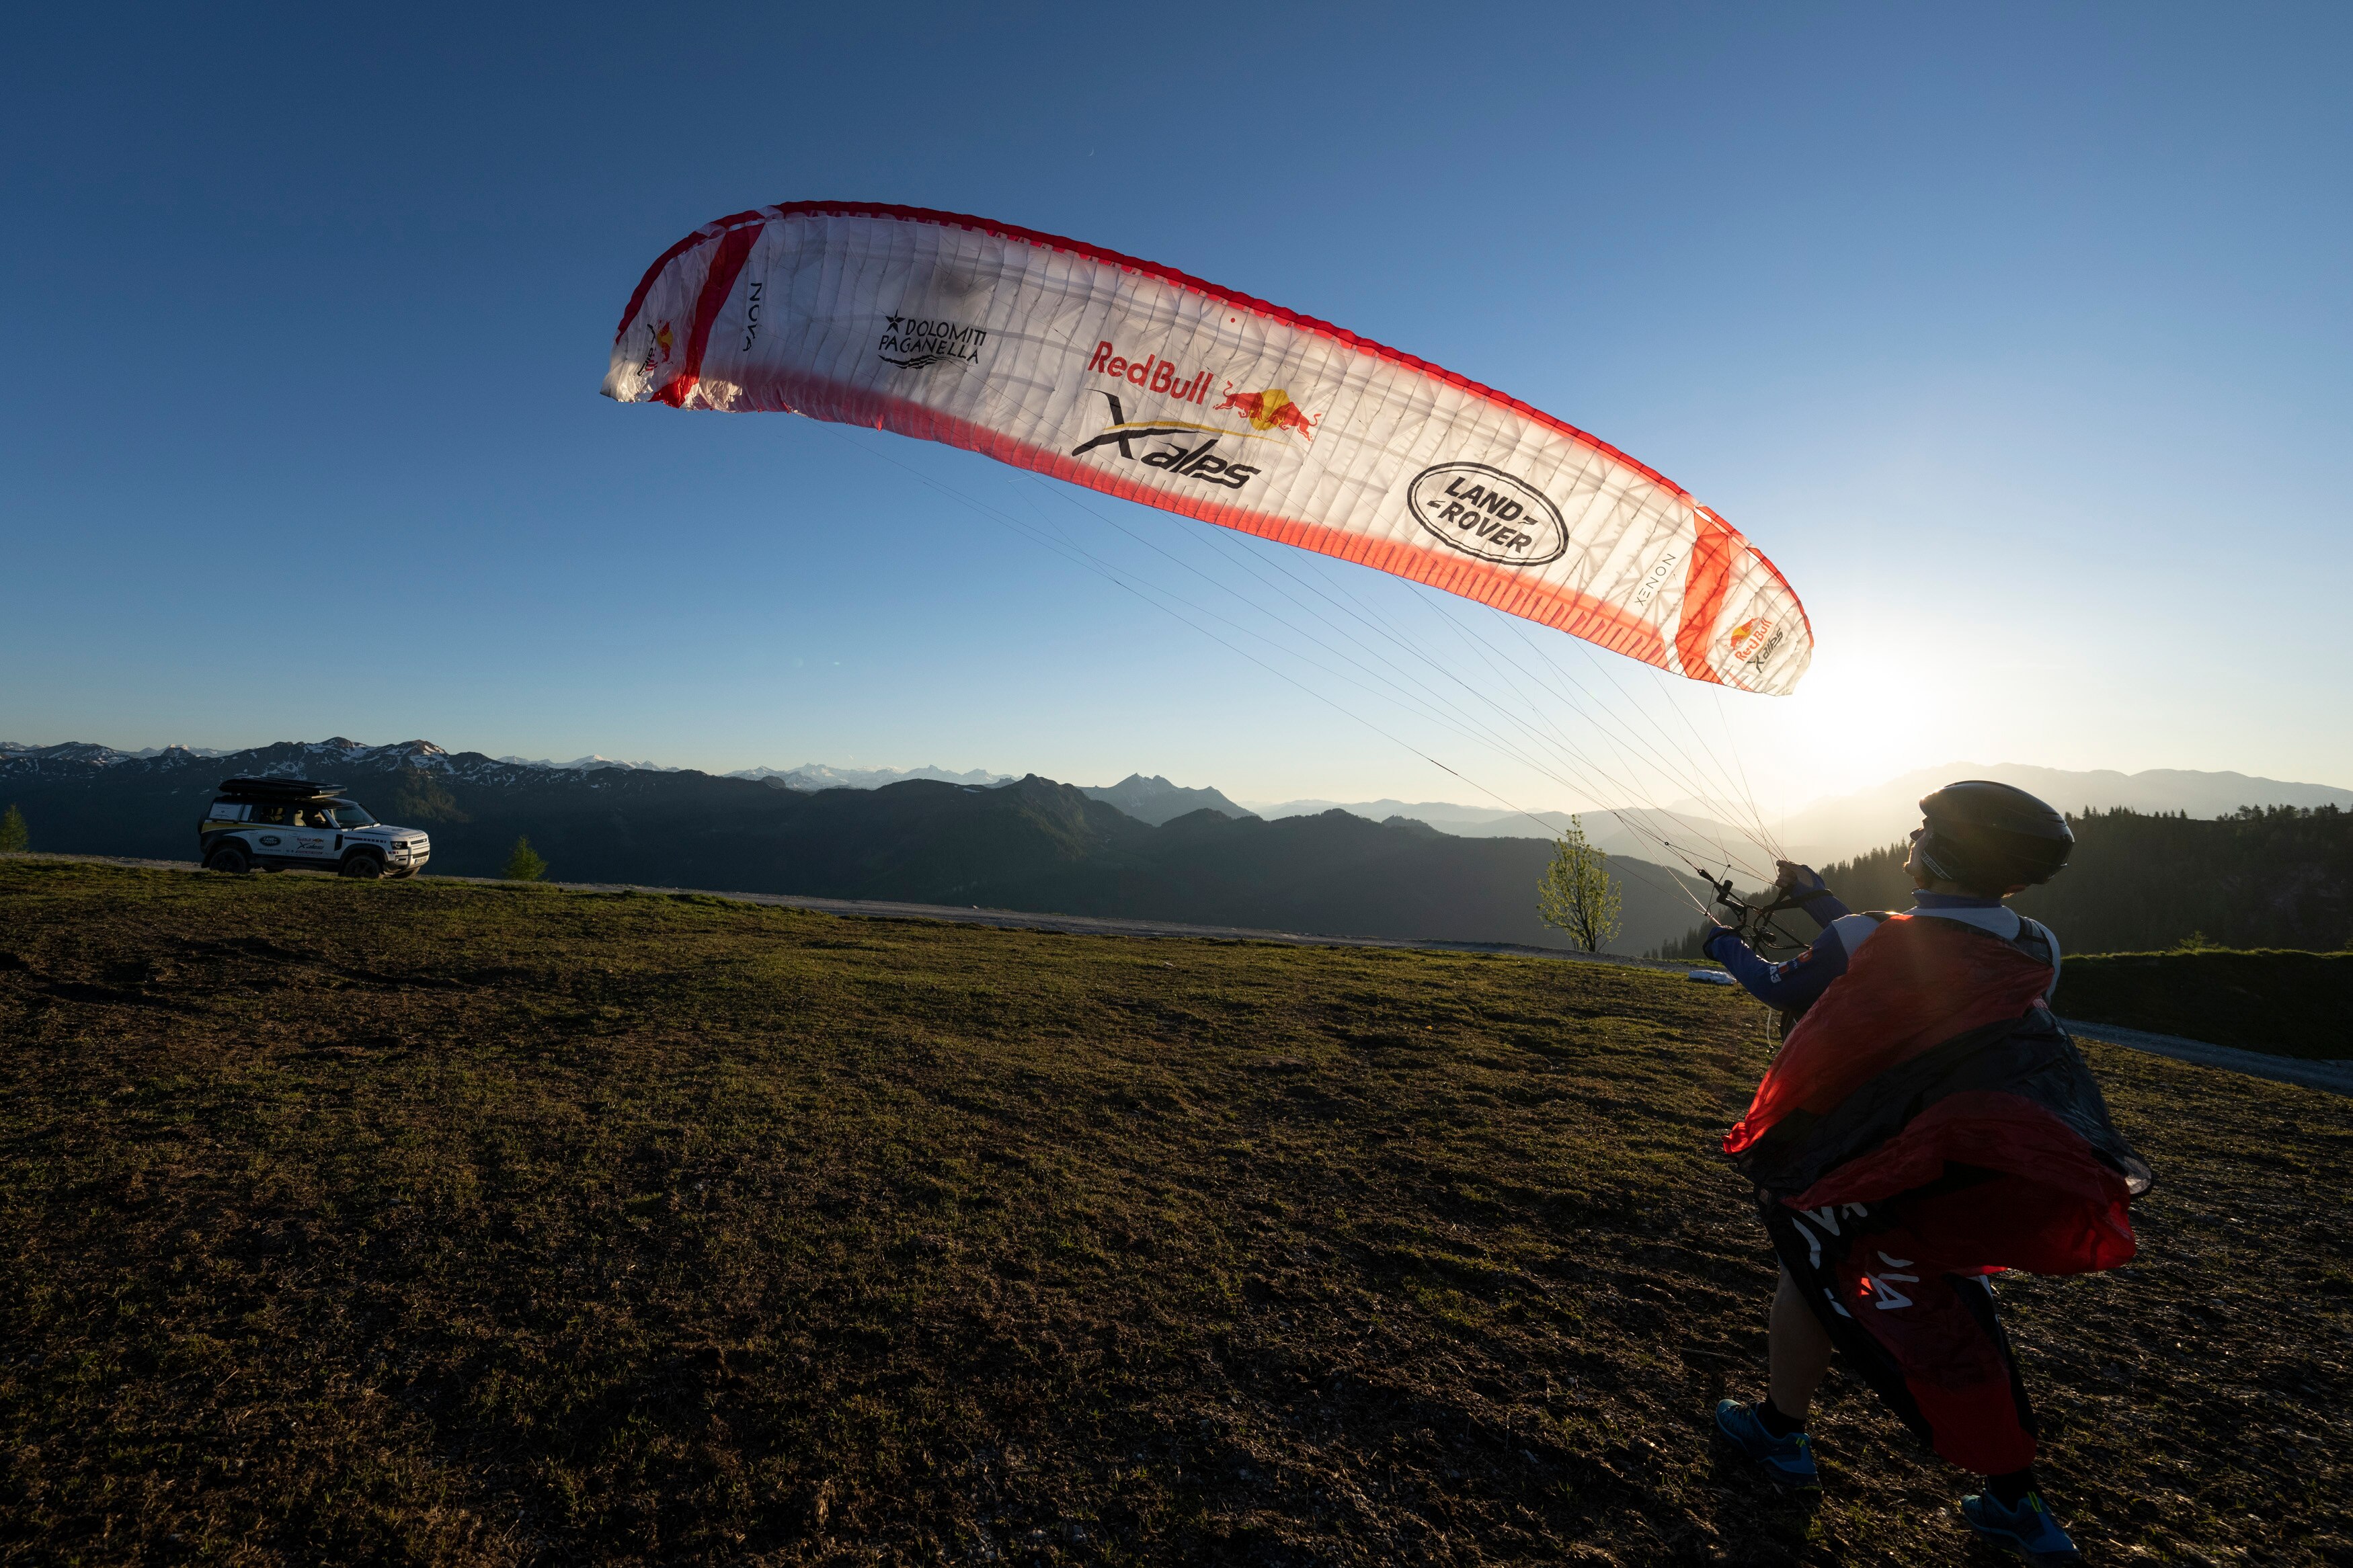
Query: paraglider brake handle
point(1755, 921)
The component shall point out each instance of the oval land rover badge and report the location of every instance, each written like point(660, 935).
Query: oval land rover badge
point(1485, 512)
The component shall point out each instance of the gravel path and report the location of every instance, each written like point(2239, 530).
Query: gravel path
point(2334, 1075)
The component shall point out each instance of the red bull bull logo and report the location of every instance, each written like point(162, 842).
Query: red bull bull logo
point(657, 351)
point(1270, 410)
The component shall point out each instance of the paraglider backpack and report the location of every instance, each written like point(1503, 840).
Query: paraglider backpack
point(1935, 1055)
point(2033, 939)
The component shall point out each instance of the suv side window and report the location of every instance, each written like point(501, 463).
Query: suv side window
point(278, 815)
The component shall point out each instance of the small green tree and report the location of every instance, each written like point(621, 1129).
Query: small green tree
point(1577, 895)
point(523, 864)
point(14, 835)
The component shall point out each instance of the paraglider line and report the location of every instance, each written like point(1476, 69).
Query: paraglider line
point(1083, 557)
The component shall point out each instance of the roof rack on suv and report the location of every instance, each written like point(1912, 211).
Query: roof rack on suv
point(279, 789)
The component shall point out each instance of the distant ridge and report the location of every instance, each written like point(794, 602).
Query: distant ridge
point(1635, 831)
point(583, 765)
point(1869, 819)
point(808, 776)
point(91, 751)
point(812, 776)
point(1831, 829)
point(1156, 800)
point(1855, 823)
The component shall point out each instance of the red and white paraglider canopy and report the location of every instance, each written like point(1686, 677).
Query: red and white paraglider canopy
point(1150, 385)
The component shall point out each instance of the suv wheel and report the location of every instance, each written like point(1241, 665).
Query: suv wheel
point(229, 858)
point(362, 865)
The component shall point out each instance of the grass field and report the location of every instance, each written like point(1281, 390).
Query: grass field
point(418, 1223)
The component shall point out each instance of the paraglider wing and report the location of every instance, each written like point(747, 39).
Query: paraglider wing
point(1149, 385)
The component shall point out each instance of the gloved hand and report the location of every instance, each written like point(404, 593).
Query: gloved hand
point(1803, 880)
point(1718, 932)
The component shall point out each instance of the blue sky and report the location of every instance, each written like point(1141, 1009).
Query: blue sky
point(2017, 336)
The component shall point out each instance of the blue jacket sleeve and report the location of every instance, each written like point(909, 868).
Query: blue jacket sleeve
point(1794, 984)
point(1823, 907)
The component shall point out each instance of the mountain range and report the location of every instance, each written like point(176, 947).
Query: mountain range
point(808, 776)
point(1838, 828)
point(1156, 800)
point(1032, 844)
point(1644, 833)
point(818, 775)
point(1846, 825)
point(1869, 819)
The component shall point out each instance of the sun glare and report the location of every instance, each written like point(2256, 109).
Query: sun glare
point(1862, 715)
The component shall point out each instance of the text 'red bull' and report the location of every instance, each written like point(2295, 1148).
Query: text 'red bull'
point(1153, 373)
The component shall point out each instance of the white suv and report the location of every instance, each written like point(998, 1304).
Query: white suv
point(288, 825)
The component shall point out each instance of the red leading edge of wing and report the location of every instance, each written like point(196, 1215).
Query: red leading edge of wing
point(727, 264)
point(1133, 264)
point(1704, 580)
point(1718, 545)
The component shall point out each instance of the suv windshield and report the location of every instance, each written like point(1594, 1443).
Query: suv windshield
point(351, 813)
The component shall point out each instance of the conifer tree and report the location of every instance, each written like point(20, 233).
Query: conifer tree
point(14, 835)
point(523, 864)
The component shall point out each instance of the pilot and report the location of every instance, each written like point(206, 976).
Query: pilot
point(1927, 1124)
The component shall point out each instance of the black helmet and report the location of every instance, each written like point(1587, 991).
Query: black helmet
point(1986, 834)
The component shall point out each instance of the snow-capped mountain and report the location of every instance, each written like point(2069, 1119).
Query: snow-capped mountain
point(289, 758)
point(91, 751)
point(593, 760)
point(812, 776)
point(320, 759)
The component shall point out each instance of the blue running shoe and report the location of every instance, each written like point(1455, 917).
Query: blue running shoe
point(1788, 1460)
point(2028, 1529)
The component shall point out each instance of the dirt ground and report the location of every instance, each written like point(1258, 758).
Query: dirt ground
point(418, 1223)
